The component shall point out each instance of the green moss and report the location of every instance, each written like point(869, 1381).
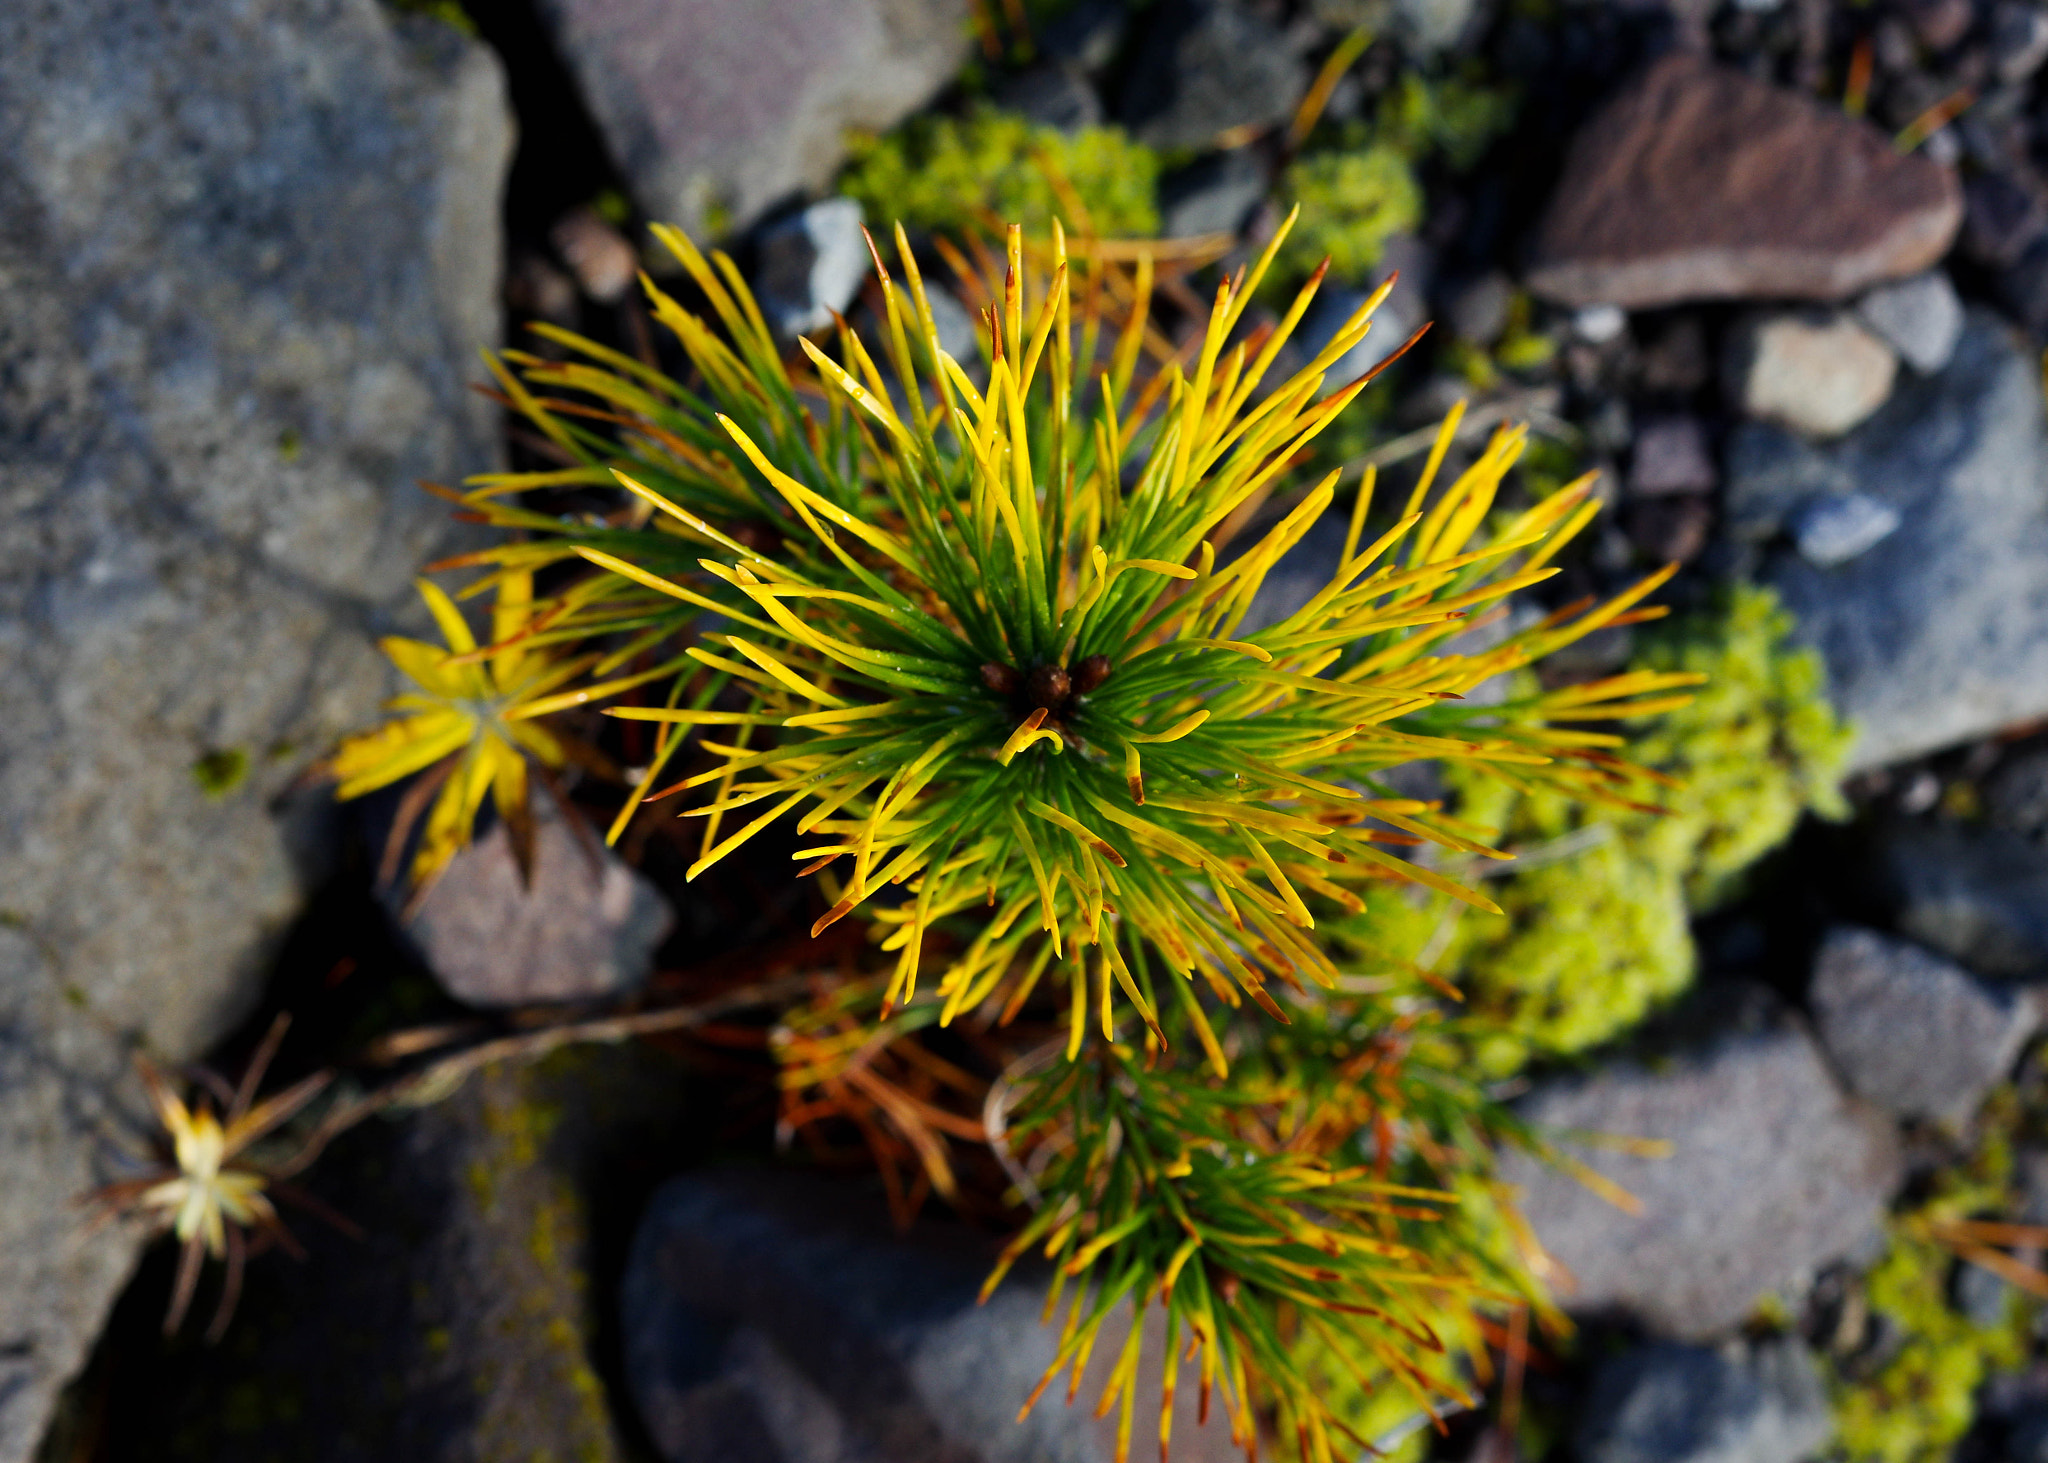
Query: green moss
point(1758, 746)
point(1452, 118)
point(1352, 201)
point(1595, 928)
point(950, 174)
point(219, 773)
point(1914, 1407)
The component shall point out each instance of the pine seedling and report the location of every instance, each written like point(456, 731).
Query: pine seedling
point(979, 641)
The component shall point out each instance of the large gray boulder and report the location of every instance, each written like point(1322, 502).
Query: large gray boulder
point(779, 1318)
point(718, 109)
point(1938, 633)
point(1771, 1173)
point(247, 253)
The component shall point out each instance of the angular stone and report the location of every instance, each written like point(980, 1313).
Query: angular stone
point(587, 927)
point(717, 110)
point(1208, 67)
point(247, 254)
point(1056, 94)
point(1772, 1173)
point(1819, 375)
point(1909, 1031)
point(1939, 633)
point(1682, 189)
point(2016, 795)
point(1980, 898)
point(1666, 1403)
point(1211, 195)
point(1834, 529)
point(778, 1318)
point(1921, 318)
point(811, 264)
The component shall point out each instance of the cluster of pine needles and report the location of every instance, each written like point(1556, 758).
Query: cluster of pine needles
point(988, 637)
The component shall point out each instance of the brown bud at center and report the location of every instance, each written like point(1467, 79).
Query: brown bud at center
point(1049, 687)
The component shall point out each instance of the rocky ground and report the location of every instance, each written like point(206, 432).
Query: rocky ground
point(1777, 268)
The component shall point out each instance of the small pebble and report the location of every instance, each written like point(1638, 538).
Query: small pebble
point(597, 254)
point(1921, 318)
point(1833, 530)
point(1599, 324)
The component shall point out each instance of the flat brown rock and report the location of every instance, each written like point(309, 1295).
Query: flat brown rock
point(1697, 183)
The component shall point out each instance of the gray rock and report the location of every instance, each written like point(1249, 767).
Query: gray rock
point(247, 255)
point(1772, 473)
point(778, 1318)
point(1921, 318)
point(717, 110)
point(811, 264)
point(1666, 1403)
point(1835, 528)
point(1678, 188)
point(1909, 1031)
point(1056, 94)
point(1939, 633)
point(1433, 25)
point(1817, 374)
point(1772, 1173)
point(586, 928)
point(2018, 40)
point(2004, 215)
point(1085, 33)
point(1211, 195)
point(1980, 898)
point(1671, 455)
point(460, 1326)
point(2016, 795)
point(1206, 67)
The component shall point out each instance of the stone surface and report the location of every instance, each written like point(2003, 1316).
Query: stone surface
point(1671, 455)
point(779, 1318)
point(2016, 795)
point(1433, 25)
point(1909, 1031)
point(1835, 528)
point(247, 255)
point(1667, 1403)
point(1940, 632)
point(1772, 1173)
point(1207, 67)
point(461, 1326)
point(809, 265)
point(718, 110)
point(1212, 195)
point(2003, 216)
point(1979, 897)
point(1817, 374)
point(1679, 190)
point(1056, 93)
point(587, 927)
point(2018, 40)
point(1921, 318)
